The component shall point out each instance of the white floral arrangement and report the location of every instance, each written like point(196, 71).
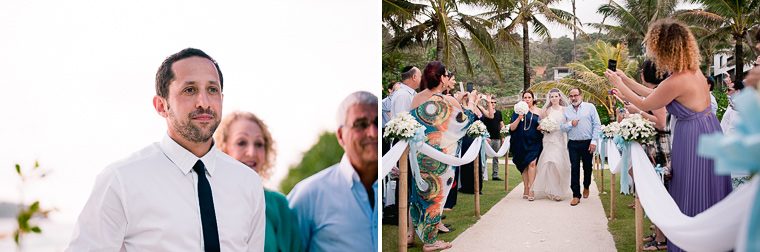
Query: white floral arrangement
point(521, 108)
point(548, 125)
point(610, 130)
point(504, 130)
point(476, 129)
point(637, 128)
point(401, 127)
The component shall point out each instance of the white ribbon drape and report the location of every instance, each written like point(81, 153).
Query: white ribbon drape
point(390, 157)
point(722, 227)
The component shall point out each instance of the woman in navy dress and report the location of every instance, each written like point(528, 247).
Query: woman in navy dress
point(526, 142)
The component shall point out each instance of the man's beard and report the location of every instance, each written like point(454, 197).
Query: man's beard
point(190, 131)
point(577, 103)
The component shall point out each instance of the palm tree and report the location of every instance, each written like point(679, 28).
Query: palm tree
point(523, 14)
point(634, 19)
point(731, 18)
point(590, 74)
point(441, 23)
point(710, 44)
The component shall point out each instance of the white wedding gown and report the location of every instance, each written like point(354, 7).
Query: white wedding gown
point(553, 167)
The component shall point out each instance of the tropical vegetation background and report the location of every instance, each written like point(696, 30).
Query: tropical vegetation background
point(507, 47)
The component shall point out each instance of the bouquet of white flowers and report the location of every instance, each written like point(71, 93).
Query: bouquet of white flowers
point(548, 125)
point(504, 130)
point(611, 129)
point(401, 127)
point(476, 129)
point(521, 108)
point(636, 128)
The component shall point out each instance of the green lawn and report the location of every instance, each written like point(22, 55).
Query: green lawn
point(623, 227)
point(463, 214)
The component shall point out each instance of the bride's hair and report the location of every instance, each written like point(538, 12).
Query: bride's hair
point(562, 99)
point(562, 102)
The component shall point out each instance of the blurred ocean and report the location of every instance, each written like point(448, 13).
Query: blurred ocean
point(54, 237)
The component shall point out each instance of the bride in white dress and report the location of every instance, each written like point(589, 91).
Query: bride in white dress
point(553, 167)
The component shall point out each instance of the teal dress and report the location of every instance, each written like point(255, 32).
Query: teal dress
point(282, 226)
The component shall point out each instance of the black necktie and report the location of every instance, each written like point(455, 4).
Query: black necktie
point(208, 215)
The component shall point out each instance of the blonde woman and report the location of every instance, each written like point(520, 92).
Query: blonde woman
point(246, 138)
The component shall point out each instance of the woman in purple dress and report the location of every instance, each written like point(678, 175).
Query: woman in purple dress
point(694, 186)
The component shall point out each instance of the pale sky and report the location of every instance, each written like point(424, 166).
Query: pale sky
point(77, 78)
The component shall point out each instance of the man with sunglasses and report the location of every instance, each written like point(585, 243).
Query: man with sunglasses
point(337, 207)
point(494, 125)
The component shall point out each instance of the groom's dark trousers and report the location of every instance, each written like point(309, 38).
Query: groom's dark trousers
point(578, 150)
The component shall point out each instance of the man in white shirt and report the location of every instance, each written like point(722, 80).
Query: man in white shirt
point(337, 207)
point(180, 194)
point(401, 100)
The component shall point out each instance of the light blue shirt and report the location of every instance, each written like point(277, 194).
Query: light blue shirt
point(333, 210)
point(401, 100)
point(386, 110)
point(588, 123)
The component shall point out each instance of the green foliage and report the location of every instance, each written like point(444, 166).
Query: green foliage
point(634, 19)
point(325, 153)
point(26, 214)
point(590, 74)
point(722, 99)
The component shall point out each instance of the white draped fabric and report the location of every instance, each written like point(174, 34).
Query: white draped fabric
point(722, 227)
point(390, 157)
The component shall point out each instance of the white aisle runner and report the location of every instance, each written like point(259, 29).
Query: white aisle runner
point(516, 224)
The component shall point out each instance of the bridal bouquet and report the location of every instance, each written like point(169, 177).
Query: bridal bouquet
point(548, 125)
point(401, 127)
point(636, 128)
point(521, 108)
point(504, 130)
point(476, 129)
point(609, 130)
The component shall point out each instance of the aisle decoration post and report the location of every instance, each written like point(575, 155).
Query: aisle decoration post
point(402, 127)
point(505, 133)
point(478, 129)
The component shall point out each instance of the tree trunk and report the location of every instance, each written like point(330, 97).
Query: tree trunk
point(526, 56)
point(440, 52)
point(738, 57)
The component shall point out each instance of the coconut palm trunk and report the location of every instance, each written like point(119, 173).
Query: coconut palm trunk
point(526, 55)
point(739, 56)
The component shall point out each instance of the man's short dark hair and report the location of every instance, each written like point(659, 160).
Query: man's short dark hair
point(165, 75)
point(580, 92)
point(710, 82)
point(407, 72)
point(649, 69)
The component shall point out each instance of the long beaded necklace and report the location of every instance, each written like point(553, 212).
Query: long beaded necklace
point(529, 122)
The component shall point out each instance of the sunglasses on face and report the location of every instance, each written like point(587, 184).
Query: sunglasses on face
point(363, 123)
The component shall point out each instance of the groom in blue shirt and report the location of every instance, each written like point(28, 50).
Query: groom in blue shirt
point(581, 122)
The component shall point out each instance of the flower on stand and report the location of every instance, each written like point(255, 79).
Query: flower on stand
point(521, 108)
point(637, 128)
point(504, 130)
point(401, 127)
point(548, 125)
point(476, 129)
point(609, 130)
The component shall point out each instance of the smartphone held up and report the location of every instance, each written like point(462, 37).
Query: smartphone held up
point(612, 65)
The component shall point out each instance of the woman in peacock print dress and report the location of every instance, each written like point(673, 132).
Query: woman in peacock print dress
point(445, 121)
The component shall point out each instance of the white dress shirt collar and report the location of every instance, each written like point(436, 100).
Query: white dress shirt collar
point(184, 159)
